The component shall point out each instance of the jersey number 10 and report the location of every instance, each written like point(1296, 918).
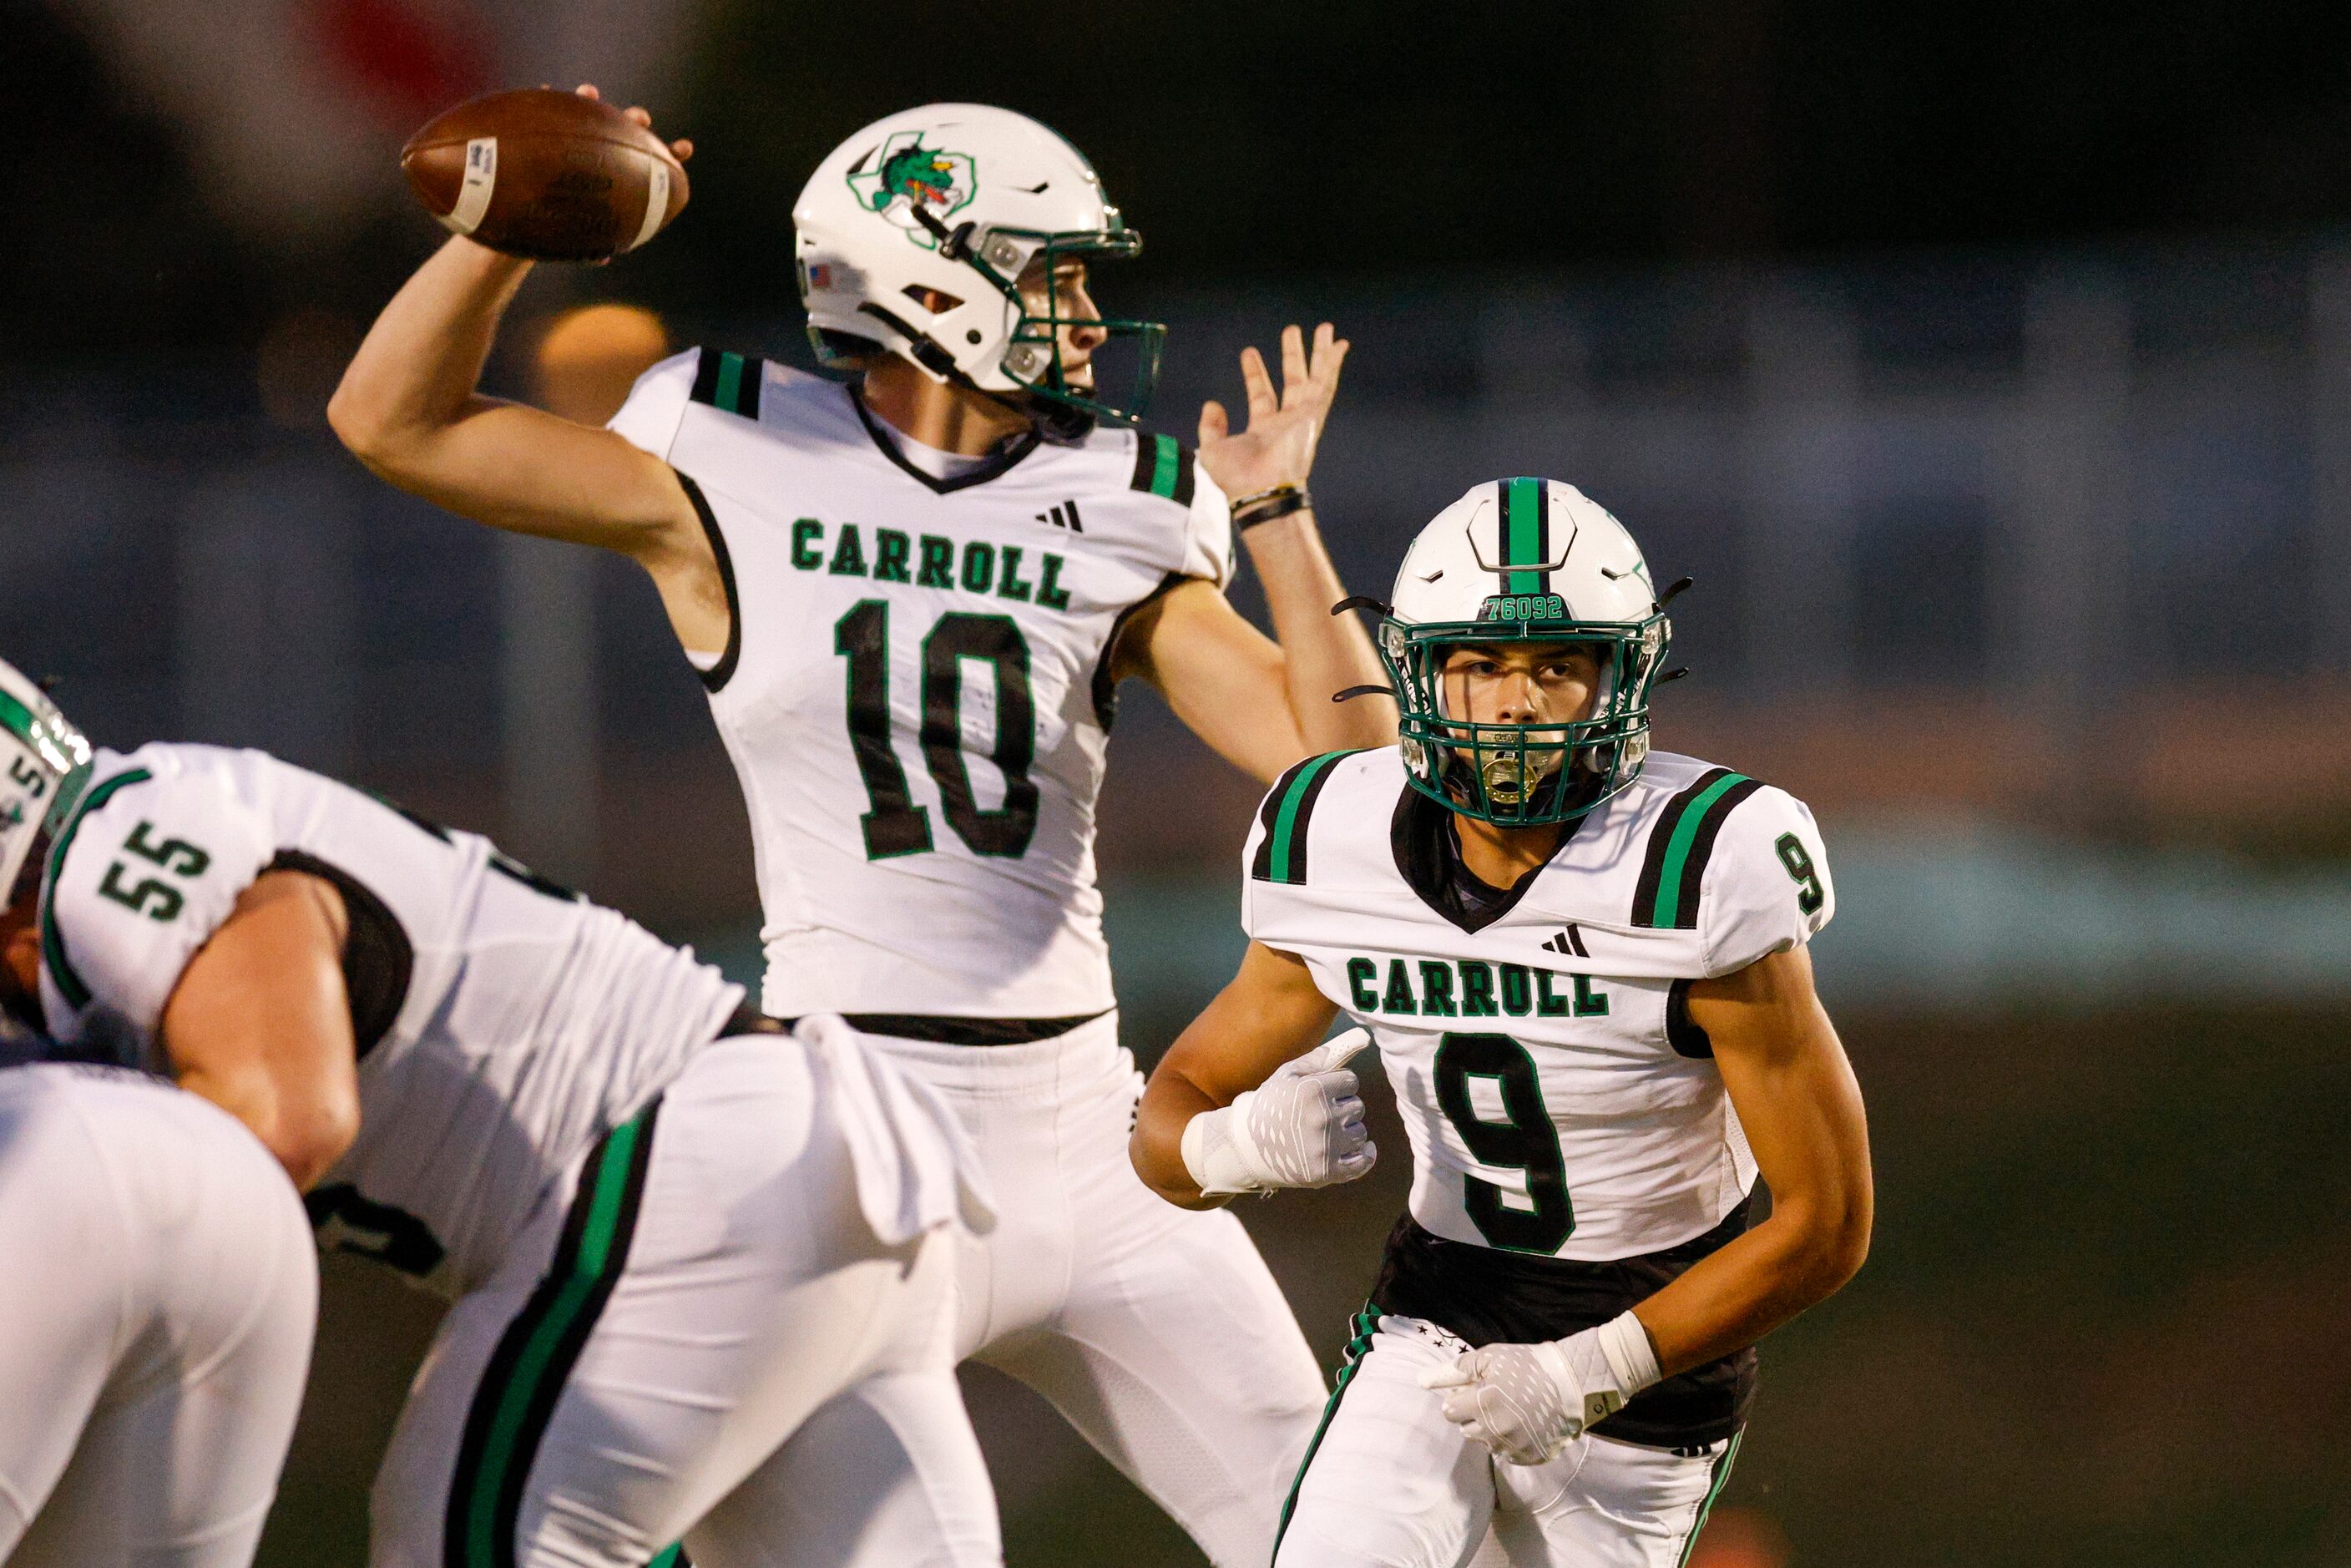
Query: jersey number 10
point(895, 825)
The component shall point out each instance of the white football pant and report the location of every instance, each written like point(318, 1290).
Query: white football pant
point(159, 1286)
point(1392, 1484)
point(1156, 1332)
point(696, 1337)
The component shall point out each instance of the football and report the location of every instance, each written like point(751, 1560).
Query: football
point(545, 174)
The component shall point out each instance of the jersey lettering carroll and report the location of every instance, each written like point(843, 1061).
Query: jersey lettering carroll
point(1573, 1113)
point(915, 692)
point(501, 1023)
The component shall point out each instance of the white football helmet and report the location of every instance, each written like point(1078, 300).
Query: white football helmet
point(1525, 560)
point(44, 762)
point(962, 198)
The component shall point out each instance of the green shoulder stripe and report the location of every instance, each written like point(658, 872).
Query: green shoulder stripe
point(1665, 897)
point(1163, 467)
point(1281, 852)
point(52, 941)
point(730, 382)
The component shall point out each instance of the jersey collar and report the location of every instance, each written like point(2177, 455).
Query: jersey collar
point(1420, 836)
point(995, 467)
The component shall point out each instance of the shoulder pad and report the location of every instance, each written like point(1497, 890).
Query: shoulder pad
point(149, 866)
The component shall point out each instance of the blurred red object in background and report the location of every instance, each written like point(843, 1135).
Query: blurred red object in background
point(1741, 1538)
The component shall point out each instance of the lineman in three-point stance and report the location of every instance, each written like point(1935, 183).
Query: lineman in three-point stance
point(673, 1238)
point(1585, 967)
point(912, 598)
point(159, 1283)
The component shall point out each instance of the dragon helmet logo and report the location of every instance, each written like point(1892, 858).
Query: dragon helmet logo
point(902, 172)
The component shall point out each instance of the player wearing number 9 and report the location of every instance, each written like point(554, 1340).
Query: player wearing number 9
point(912, 588)
point(1586, 966)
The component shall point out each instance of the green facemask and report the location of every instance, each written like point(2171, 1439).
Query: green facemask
point(1524, 775)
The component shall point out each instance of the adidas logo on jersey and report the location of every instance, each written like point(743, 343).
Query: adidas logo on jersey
point(1064, 516)
point(1570, 941)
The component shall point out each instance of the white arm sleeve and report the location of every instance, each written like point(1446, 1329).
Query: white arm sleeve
point(152, 868)
point(657, 403)
point(1767, 887)
point(1208, 531)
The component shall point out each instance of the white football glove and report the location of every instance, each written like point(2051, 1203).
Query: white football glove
point(1304, 1126)
point(1528, 1402)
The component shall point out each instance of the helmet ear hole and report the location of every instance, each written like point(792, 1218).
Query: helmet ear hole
point(936, 301)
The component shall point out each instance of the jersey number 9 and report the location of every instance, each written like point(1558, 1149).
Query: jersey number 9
point(1525, 1139)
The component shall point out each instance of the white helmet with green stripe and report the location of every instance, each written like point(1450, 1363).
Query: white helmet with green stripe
point(1529, 560)
point(44, 761)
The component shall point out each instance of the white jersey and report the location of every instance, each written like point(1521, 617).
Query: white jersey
point(915, 690)
point(503, 1024)
point(1556, 1102)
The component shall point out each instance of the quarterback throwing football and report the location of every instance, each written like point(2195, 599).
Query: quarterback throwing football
point(912, 592)
point(1585, 967)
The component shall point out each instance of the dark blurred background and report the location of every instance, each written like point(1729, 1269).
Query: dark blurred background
point(1989, 366)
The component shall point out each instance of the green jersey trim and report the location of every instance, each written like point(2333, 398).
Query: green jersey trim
point(1281, 852)
point(53, 940)
point(1680, 846)
point(1163, 467)
point(730, 382)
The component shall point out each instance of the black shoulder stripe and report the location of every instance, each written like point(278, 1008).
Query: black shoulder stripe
point(1163, 467)
point(1289, 810)
point(1261, 862)
point(1105, 685)
point(1665, 897)
point(730, 382)
point(716, 677)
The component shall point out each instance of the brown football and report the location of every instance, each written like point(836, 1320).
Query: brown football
point(546, 175)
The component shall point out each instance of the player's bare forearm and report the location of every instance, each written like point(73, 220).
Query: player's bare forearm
point(1797, 1099)
point(1322, 654)
point(260, 1023)
point(408, 408)
point(1225, 679)
point(415, 373)
point(1270, 1013)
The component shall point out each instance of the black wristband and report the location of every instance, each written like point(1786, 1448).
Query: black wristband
point(1279, 505)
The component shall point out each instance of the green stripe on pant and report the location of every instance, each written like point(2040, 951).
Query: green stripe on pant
point(536, 1356)
point(1362, 1326)
point(1721, 1478)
